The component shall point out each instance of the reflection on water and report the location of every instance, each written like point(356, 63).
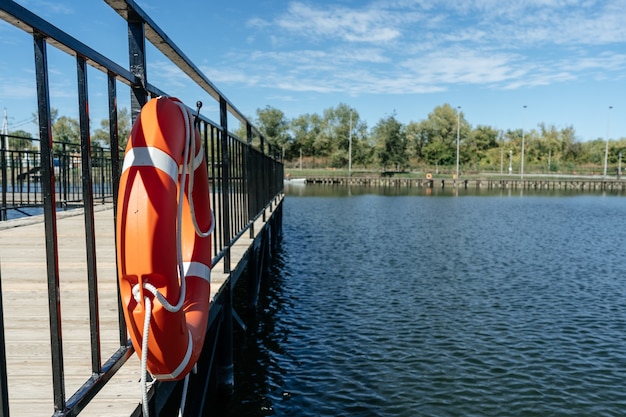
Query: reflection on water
point(396, 304)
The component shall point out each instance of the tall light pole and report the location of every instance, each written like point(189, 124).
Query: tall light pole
point(350, 147)
point(523, 122)
point(458, 138)
point(608, 130)
point(501, 154)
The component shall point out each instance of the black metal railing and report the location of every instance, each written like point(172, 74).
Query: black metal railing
point(245, 179)
point(20, 170)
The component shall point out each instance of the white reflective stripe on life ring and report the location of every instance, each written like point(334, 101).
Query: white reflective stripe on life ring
point(151, 157)
point(197, 269)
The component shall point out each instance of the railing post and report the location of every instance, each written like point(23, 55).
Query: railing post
point(64, 180)
point(49, 204)
point(252, 202)
point(90, 238)
point(264, 164)
point(3, 171)
point(115, 177)
point(4, 391)
point(101, 166)
point(225, 369)
point(137, 58)
point(225, 183)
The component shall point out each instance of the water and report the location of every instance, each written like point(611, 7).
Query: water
point(504, 304)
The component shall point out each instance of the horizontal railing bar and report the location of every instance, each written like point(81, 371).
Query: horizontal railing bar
point(237, 206)
point(164, 44)
point(77, 402)
point(26, 20)
point(220, 255)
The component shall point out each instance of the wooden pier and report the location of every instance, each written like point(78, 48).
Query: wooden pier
point(64, 348)
point(26, 318)
point(579, 184)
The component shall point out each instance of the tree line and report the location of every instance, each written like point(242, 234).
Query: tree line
point(327, 139)
point(66, 131)
point(339, 137)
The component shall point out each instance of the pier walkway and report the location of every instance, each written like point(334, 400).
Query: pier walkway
point(64, 347)
point(26, 321)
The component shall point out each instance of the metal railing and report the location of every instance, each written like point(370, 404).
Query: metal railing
point(245, 179)
point(20, 172)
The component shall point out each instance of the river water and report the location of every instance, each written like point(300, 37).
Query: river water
point(413, 302)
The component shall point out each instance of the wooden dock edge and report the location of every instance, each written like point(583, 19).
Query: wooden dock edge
point(579, 184)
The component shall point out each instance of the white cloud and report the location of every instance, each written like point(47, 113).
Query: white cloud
point(165, 73)
point(232, 76)
point(601, 66)
point(340, 23)
point(417, 46)
point(54, 7)
point(17, 89)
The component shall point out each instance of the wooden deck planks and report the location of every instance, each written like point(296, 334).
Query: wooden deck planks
point(25, 298)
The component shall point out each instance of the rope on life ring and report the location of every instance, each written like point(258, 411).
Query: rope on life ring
point(429, 176)
point(164, 223)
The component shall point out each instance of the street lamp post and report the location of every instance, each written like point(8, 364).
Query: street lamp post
point(501, 154)
point(606, 149)
point(522, 166)
point(458, 138)
point(350, 147)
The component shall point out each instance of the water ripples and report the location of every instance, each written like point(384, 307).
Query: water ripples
point(408, 306)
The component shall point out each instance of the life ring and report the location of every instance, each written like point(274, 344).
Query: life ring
point(164, 222)
point(429, 176)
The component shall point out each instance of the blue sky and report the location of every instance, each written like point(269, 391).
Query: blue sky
point(563, 59)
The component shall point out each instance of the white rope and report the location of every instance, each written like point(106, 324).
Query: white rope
point(144, 357)
point(192, 141)
point(183, 400)
point(188, 164)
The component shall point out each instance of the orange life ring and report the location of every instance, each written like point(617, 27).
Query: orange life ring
point(429, 176)
point(149, 222)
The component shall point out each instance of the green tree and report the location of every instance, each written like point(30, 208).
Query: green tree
point(65, 131)
point(20, 140)
point(102, 135)
point(430, 141)
point(480, 141)
point(362, 148)
point(344, 131)
point(305, 129)
point(363, 152)
point(570, 147)
point(332, 140)
point(54, 115)
point(438, 153)
point(439, 136)
point(617, 147)
point(340, 120)
point(273, 124)
point(416, 140)
point(390, 140)
point(550, 146)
